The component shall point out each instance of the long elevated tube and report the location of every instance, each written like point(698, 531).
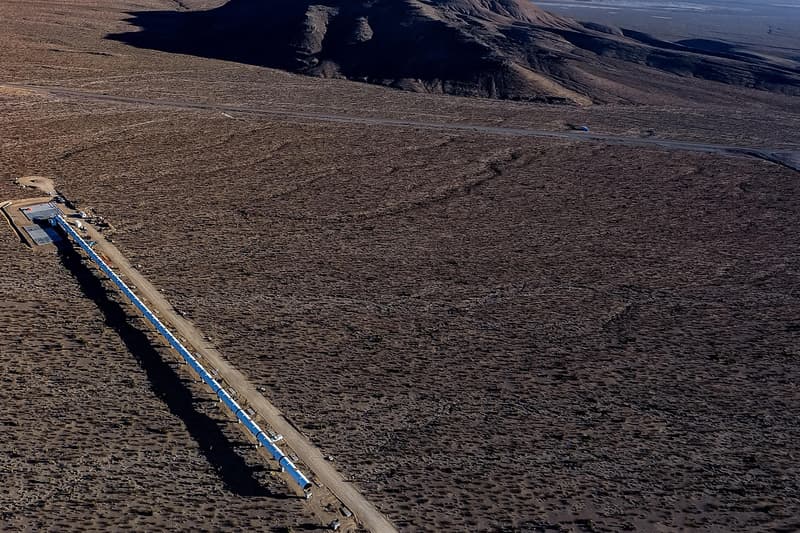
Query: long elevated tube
point(234, 407)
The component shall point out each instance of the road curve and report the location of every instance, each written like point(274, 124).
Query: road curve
point(789, 159)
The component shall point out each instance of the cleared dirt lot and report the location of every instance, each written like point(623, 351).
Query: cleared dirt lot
point(542, 345)
point(485, 333)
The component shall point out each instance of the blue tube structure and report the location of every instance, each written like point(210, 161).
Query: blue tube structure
point(253, 428)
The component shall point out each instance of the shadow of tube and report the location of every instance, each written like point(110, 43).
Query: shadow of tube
point(232, 469)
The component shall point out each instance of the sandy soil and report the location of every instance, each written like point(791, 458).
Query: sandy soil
point(485, 333)
point(42, 183)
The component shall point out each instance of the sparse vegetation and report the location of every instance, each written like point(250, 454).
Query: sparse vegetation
point(486, 332)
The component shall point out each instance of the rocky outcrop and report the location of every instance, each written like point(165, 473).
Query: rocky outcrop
point(490, 48)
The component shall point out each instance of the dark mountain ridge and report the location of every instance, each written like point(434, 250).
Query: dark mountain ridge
point(491, 48)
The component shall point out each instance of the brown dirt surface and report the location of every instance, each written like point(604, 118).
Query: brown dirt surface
point(329, 483)
point(506, 335)
point(485, 332)
point(38, 182)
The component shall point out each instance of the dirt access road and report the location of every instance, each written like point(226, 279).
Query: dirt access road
point(790, 159)
point(309, 454)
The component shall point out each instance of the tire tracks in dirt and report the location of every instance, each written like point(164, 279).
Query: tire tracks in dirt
point(789, 159)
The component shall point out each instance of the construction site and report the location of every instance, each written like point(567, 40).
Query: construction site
point(51, 223)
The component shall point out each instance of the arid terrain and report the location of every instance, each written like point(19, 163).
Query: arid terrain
point(484, 331)
point(99, 432)
point(492, 48)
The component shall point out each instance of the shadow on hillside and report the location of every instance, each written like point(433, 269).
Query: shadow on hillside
point(279, 34)
point(391, 43)
point(244, 32)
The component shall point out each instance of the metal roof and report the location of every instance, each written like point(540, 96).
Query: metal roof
point(42, 236)
point(40, 211)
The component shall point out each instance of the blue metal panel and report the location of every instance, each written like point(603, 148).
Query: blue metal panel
point(216, 387)
point(197, 368)
point(295, 474)
point(271, 448)
point(249, 424)
point(228, 401)
point(235, 408)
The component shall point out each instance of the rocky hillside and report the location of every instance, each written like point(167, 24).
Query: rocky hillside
point(491, 48)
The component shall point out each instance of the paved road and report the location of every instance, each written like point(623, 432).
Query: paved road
point(309, 454)
point(790, 159)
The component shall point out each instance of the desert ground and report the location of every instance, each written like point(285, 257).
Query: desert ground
point(100, 430)
point(485, 332)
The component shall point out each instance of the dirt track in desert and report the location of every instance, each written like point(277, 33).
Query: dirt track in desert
point(484, 332)
point(790, 159)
